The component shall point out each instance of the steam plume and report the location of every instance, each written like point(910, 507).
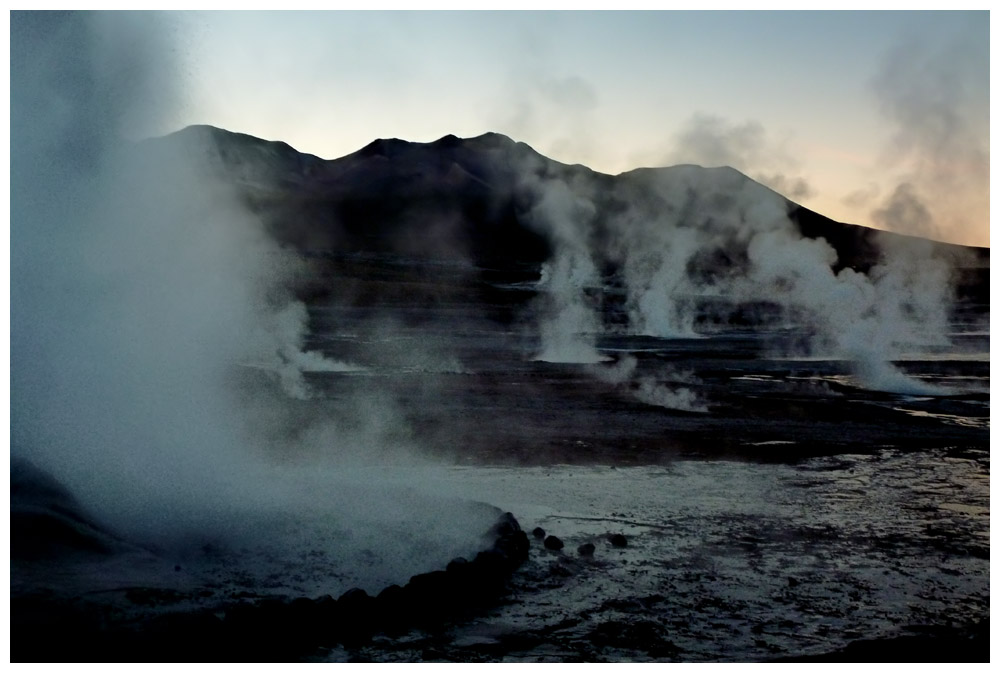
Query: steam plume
point(707, 233)
point(708, 140)
point(649, 390)
point(927, 90)
point(141, 289)
point(569, 322)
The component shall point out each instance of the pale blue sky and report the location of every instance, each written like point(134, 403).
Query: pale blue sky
point(839, 108)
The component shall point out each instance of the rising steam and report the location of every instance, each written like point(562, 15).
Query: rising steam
point(157, 352)
point(672, 393)
point(713, 233)
point(932, 90)
point(569, 322)
point(708, 140)
point(290, 324)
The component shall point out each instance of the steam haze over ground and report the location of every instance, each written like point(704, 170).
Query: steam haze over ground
point(244, 376)
point(149, 307)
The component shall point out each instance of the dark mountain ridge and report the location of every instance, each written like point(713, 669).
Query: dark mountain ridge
point(476, 200)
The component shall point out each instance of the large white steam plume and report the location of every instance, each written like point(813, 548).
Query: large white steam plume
point(688, 233)
point(141, 289)
point(568, 322)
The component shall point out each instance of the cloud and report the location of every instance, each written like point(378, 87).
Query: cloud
point(795, 188)
point(683, 237)
point(551, 107)
point(709, 140)
point(713, 141)
point(157, 362)
point(554, 113)
point(861, 198)
point(935, 93)
point(904, 211)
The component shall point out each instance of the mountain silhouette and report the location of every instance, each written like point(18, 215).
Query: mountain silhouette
point(476, 200)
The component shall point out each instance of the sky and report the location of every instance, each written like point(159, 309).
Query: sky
point(874, 118)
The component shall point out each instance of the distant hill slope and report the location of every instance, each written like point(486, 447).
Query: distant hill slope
point(476, 199)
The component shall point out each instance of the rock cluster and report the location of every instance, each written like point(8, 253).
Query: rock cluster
point(279, 629)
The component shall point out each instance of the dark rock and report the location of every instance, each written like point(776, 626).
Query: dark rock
point(303, 609)
point(432, 586)
point(352, 595)
point(524, 547)
point(430, 597)
point(183, 636)
point(354, 617)
point(586, 549)
point(460, 568)
point(326, 600)
point(462, 578)
point(392, 610)
point(514, 547)
point(553, 543)
point(539, 532)
point(457, 565)
point(326, 609)
point(618, 540)
point(238, 614)
point(490, 561)
point(272, 629)
point(354, 605)
point(256, 630)
point(390, 595)
point(506, 525)
point(354, 609)
point(491, 570)
point(294, 625)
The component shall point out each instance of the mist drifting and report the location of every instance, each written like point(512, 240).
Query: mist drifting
point(157, 347)
point(684, 236)
point(251, 379)
point(159, 351)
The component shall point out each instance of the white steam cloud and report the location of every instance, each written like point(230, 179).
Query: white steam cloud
point(569, 323)
point(649, 390)
point(935, 93)
point(290, 325)
point(685, 234)
point(660, 395)
point(708, 140)
point(144, 301)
